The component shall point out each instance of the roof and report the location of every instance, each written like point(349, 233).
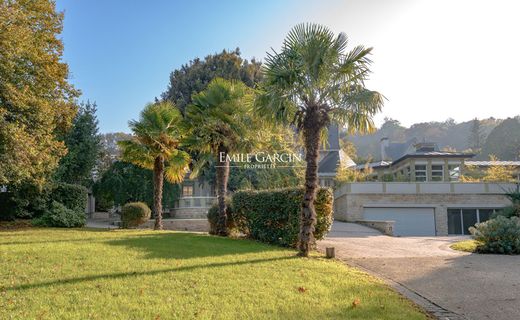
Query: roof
point(434, 154)
point(493, 163)
point(372, 165)
point(332, 160)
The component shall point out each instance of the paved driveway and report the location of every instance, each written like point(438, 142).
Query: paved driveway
point(472, 285)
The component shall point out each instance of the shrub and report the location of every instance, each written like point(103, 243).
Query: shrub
point(134, 213)
point(58, 215)
point(73, 196)
point(213, 218)
point(514, 209)
point(274, 216)
point(498, 235)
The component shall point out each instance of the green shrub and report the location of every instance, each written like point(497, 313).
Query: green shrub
point(274, 216)
point(213, 218)
point(58, 215)
point(514, 209)
point(73, 196)
point(498, 235)
point(134, 213)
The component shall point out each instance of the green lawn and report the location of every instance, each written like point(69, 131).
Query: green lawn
point(92, 274)
point(465, 245)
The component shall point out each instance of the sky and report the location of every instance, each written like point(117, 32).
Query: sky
point(433, 60)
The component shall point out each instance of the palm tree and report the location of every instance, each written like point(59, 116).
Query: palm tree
point(155, 146)
point(219, 123)
point(310, 83)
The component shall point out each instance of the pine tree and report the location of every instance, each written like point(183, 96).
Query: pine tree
point(84, 146)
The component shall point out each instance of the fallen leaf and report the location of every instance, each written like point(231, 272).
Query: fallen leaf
point(356, 302)
point(302, 289)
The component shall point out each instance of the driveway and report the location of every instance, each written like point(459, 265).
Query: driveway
point(472, 285)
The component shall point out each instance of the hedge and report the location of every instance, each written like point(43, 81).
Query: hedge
point(273, 216)
point(73, 196)
point(213, 218)
point(58, 215)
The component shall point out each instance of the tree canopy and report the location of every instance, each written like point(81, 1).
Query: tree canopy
point(37, 103)
point(193, 77)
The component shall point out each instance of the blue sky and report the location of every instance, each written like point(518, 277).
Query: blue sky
point(432, 59)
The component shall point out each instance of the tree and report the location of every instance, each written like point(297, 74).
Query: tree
point(110, 151)
point(194, 77)
point(475, 135)
point(311, 83)
point(125, 182)
point(155, 146)
point(219, 122)
point(37, 104)
point(84, 147)
point(504, 140)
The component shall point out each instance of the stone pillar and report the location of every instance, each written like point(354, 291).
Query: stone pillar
point(441, 220)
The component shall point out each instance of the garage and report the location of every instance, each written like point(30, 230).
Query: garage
point(408, 221)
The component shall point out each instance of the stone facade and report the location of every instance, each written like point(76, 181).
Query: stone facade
point(350, 200)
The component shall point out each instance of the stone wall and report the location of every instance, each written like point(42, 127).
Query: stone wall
point(350, 201)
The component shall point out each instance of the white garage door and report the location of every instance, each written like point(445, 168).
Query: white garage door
point(408, 221)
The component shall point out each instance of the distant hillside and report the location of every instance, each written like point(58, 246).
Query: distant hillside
point(449, 135)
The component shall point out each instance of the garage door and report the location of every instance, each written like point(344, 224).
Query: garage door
point(408, 221)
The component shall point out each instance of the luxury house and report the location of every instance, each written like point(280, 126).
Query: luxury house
point(415, 191)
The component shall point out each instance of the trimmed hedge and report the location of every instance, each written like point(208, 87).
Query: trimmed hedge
point(134, 213)
point(273, 216)
point(60, 216)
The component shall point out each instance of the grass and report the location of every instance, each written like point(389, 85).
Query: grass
point(93, 274)
point(465, 245)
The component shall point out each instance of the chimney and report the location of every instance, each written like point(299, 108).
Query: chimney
point(384, 144)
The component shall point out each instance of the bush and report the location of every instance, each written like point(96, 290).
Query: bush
point(498, 235)
point(73, 196)
point(60, 216)
point(231, 218)
point(514, 209)
point(134, 213)
point(274, 216)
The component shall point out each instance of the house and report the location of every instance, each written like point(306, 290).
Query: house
point(415, 191)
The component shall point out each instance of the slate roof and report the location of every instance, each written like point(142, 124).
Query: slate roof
point(396, 150)
point(332, 160)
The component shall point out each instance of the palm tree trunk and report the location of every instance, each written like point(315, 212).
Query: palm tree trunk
point(311, 135)
point(222, 176)
point(158, 179)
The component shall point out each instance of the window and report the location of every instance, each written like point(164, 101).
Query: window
point(420, 173)
point(454, 172)
point(437, 173)
point(459, 220)
point(187, 191)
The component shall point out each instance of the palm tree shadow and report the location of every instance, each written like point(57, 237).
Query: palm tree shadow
point(189, 245)
point(130, 275)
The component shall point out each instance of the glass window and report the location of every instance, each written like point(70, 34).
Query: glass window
point(454, 172)
point(187, 191)
point(420, 173)
point(437, 173)
point(469, 218)
point(484, 214)
point(454, 221)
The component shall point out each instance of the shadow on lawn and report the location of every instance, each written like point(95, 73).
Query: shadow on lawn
point(140, 273)
point(189, 245)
